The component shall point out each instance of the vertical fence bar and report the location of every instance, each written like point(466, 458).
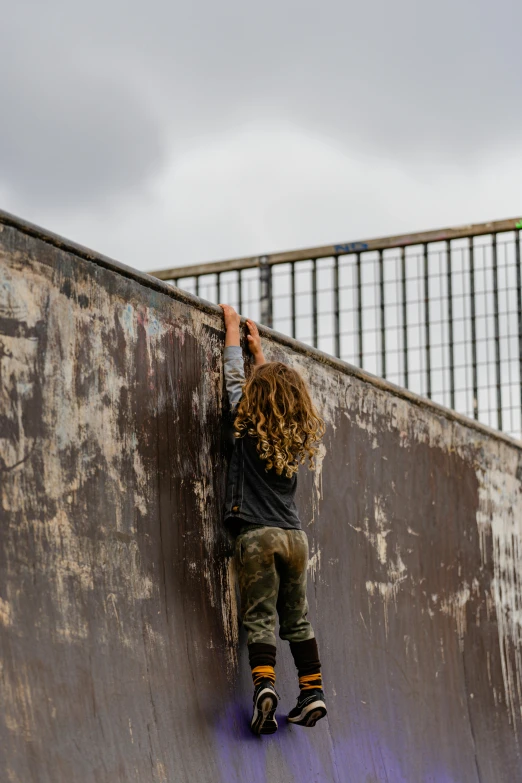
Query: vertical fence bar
point(519, 309)
point(473, 311)
point(197, 285)
point(239, 291)
point(292, 295)
point(175, 282)
point(404, 317)
point(382, 318)
point(265, 285)
point(359, 311)
point(451, 346)
point(314, 303)
point(337, 318)
point(497, 330)
point(427, 319)
point(218, 286)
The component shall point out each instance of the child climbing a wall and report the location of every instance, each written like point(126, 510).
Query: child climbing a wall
point(276, 427)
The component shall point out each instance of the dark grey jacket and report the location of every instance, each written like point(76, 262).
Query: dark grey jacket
point(254, 494)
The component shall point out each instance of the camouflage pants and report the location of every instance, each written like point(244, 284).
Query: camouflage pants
point(272, 565)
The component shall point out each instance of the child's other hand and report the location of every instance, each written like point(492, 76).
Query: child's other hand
point(254, 342)
point(232, 319)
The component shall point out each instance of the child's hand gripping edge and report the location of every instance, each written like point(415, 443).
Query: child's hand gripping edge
point(232, 323)
point(254, 343)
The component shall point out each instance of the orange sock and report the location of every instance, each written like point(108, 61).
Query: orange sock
point(309, 681)
point(263, 673)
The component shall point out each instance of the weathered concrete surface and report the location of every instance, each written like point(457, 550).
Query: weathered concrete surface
point(121, 658)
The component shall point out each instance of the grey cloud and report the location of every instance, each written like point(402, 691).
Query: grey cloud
point(71, 132)
point(98, 92)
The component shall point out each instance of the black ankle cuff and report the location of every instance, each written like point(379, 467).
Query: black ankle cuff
point(306, 657)
point(261, 654)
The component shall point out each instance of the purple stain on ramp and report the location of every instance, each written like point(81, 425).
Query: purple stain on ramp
point(232, 734)
point(292, 754)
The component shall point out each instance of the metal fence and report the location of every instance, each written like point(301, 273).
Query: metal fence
point(439, 312)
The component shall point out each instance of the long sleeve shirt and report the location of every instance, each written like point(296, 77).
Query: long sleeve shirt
point(254, 494)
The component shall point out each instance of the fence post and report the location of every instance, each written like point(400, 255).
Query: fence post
point(496, 323)
point(337, 316)
point(473, 318)
point(427, 337)
point(404, 290)
point(451, 341)
point(383, 314)
point(265, 291)
point(519, 313)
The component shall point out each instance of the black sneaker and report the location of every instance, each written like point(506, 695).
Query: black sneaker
point(309, 709)
point(265, 703)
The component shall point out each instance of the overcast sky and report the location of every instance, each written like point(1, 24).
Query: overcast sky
point(163, 133)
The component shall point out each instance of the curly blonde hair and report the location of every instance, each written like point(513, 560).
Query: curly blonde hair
point(276, 408)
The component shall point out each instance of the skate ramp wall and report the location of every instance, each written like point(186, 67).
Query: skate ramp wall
point(121, 655)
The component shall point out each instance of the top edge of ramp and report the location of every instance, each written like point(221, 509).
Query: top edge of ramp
point(149, 281)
